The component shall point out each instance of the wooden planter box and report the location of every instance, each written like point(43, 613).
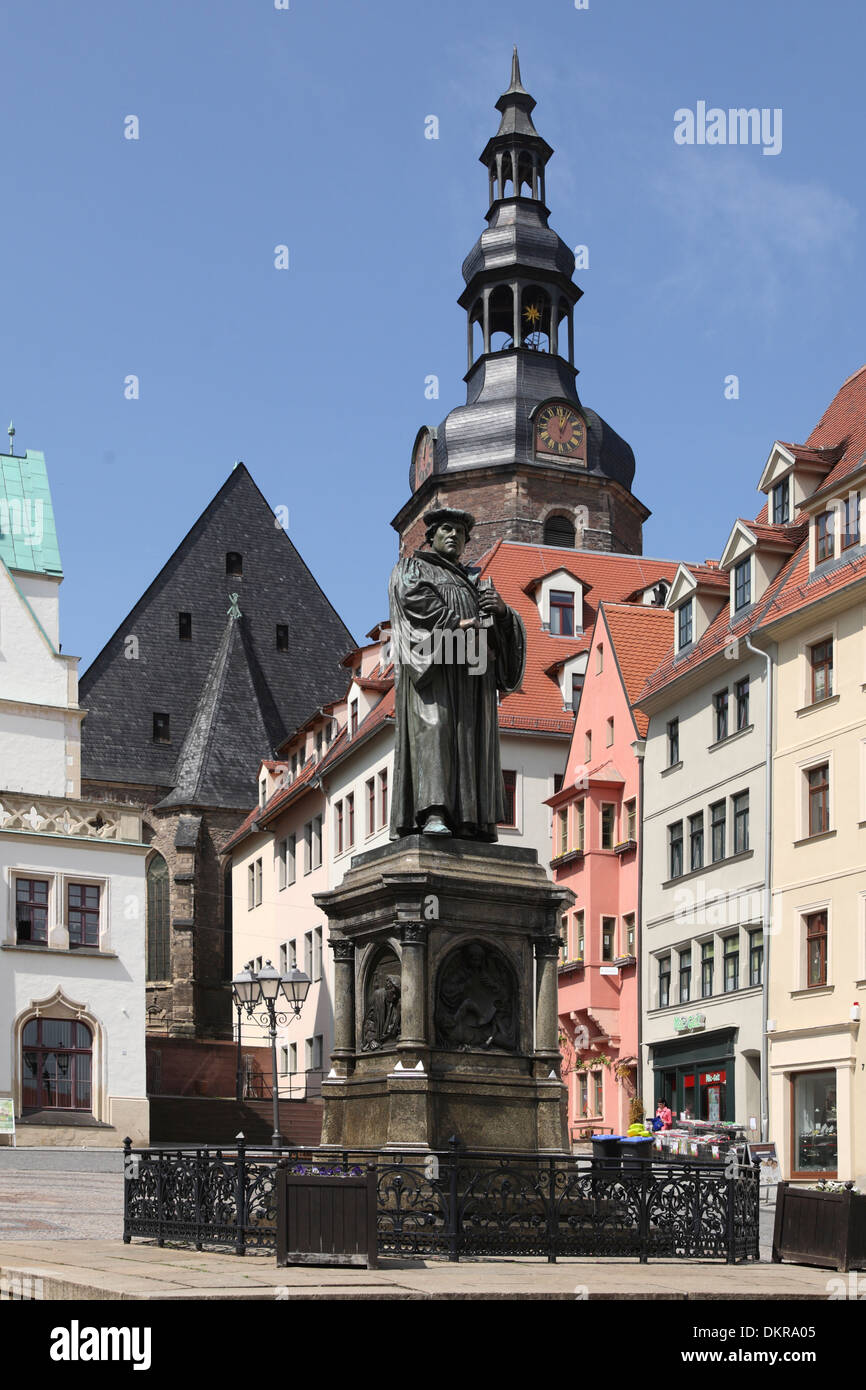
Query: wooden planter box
point(820, 1228)
point(326, 1220)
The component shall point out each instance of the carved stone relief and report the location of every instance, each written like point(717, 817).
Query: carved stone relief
point(381, 1026)
point(476, 999)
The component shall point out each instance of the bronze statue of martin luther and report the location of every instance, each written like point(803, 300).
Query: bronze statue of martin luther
point(455, 645)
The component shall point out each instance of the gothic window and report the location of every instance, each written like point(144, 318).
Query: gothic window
point(56, 1056)
point(227, 922)
point(158, 949)
point(559, 531)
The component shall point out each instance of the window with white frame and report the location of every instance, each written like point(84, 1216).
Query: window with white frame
point(780, 503)
point(742, 584)
point(685, 623)
point(816, 792)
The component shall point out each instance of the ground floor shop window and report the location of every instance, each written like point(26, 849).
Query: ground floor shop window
point(696, 1094)
point(56, 1056)
point(813, 1123)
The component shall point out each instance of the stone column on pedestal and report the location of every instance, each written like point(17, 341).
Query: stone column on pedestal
point(413, 991)
point(546, 1004)
point(344, 997)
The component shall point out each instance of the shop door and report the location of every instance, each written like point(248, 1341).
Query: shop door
point(713, 1095)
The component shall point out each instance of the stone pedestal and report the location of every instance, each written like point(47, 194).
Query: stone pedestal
point(445, 1000)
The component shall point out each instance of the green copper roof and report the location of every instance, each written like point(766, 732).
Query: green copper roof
point(28, 537)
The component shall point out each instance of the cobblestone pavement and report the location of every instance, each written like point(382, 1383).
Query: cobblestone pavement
point(60, 1206)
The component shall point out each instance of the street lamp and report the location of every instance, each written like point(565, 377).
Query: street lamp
point(251, 988)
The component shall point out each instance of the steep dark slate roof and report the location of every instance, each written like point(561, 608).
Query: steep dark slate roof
point(232, 697)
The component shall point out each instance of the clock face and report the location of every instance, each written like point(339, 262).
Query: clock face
point(422, 461)
point(560, 431)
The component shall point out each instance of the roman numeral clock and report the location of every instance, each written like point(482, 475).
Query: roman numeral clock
point(560, 432)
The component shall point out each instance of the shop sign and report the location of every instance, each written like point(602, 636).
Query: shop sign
point(684, 1023)
point(713, 1078)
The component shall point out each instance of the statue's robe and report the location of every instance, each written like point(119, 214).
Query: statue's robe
point(447, 749)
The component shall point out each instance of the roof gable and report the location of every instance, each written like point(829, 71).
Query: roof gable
point(245, 697)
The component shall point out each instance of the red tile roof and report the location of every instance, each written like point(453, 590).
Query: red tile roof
point(642, 637)
point(709, 576)
point(775, 535)
point(538, 705)
point(840, 439)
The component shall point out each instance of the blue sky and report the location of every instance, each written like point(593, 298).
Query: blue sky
point(305, 127)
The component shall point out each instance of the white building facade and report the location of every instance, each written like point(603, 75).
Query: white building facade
point(72, 873)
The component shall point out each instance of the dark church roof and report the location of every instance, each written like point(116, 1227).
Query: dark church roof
point(231, 695)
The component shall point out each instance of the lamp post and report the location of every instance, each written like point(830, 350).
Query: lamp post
point(249, 989)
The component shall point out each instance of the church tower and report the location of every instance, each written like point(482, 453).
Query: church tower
point(524, 455)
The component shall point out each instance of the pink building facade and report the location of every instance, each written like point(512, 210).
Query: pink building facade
point(596, 853)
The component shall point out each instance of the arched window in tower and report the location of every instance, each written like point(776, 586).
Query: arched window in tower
point(476, 331)
point(506, 177)
point(525, 174)
point(559, 530)
point(500, 314)
point(535, 318)
point(562, 343)
point(158, 942)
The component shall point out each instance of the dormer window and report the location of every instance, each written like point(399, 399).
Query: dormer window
point(685, 620)
point(561, 613)
point(263, 791)
point(742, 584)
point(353, 718)
point(184, 627)
point(851, 521)
point(234, 564)
point(824, 547)
point(282, 637)
point(781, 511)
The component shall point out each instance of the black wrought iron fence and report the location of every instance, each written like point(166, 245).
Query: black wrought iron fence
point(458, 1202)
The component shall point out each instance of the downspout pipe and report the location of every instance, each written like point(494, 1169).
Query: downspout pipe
point(639, 748)
point(768, 850)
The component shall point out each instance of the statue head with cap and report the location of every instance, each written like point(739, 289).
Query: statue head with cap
point(448, 530)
